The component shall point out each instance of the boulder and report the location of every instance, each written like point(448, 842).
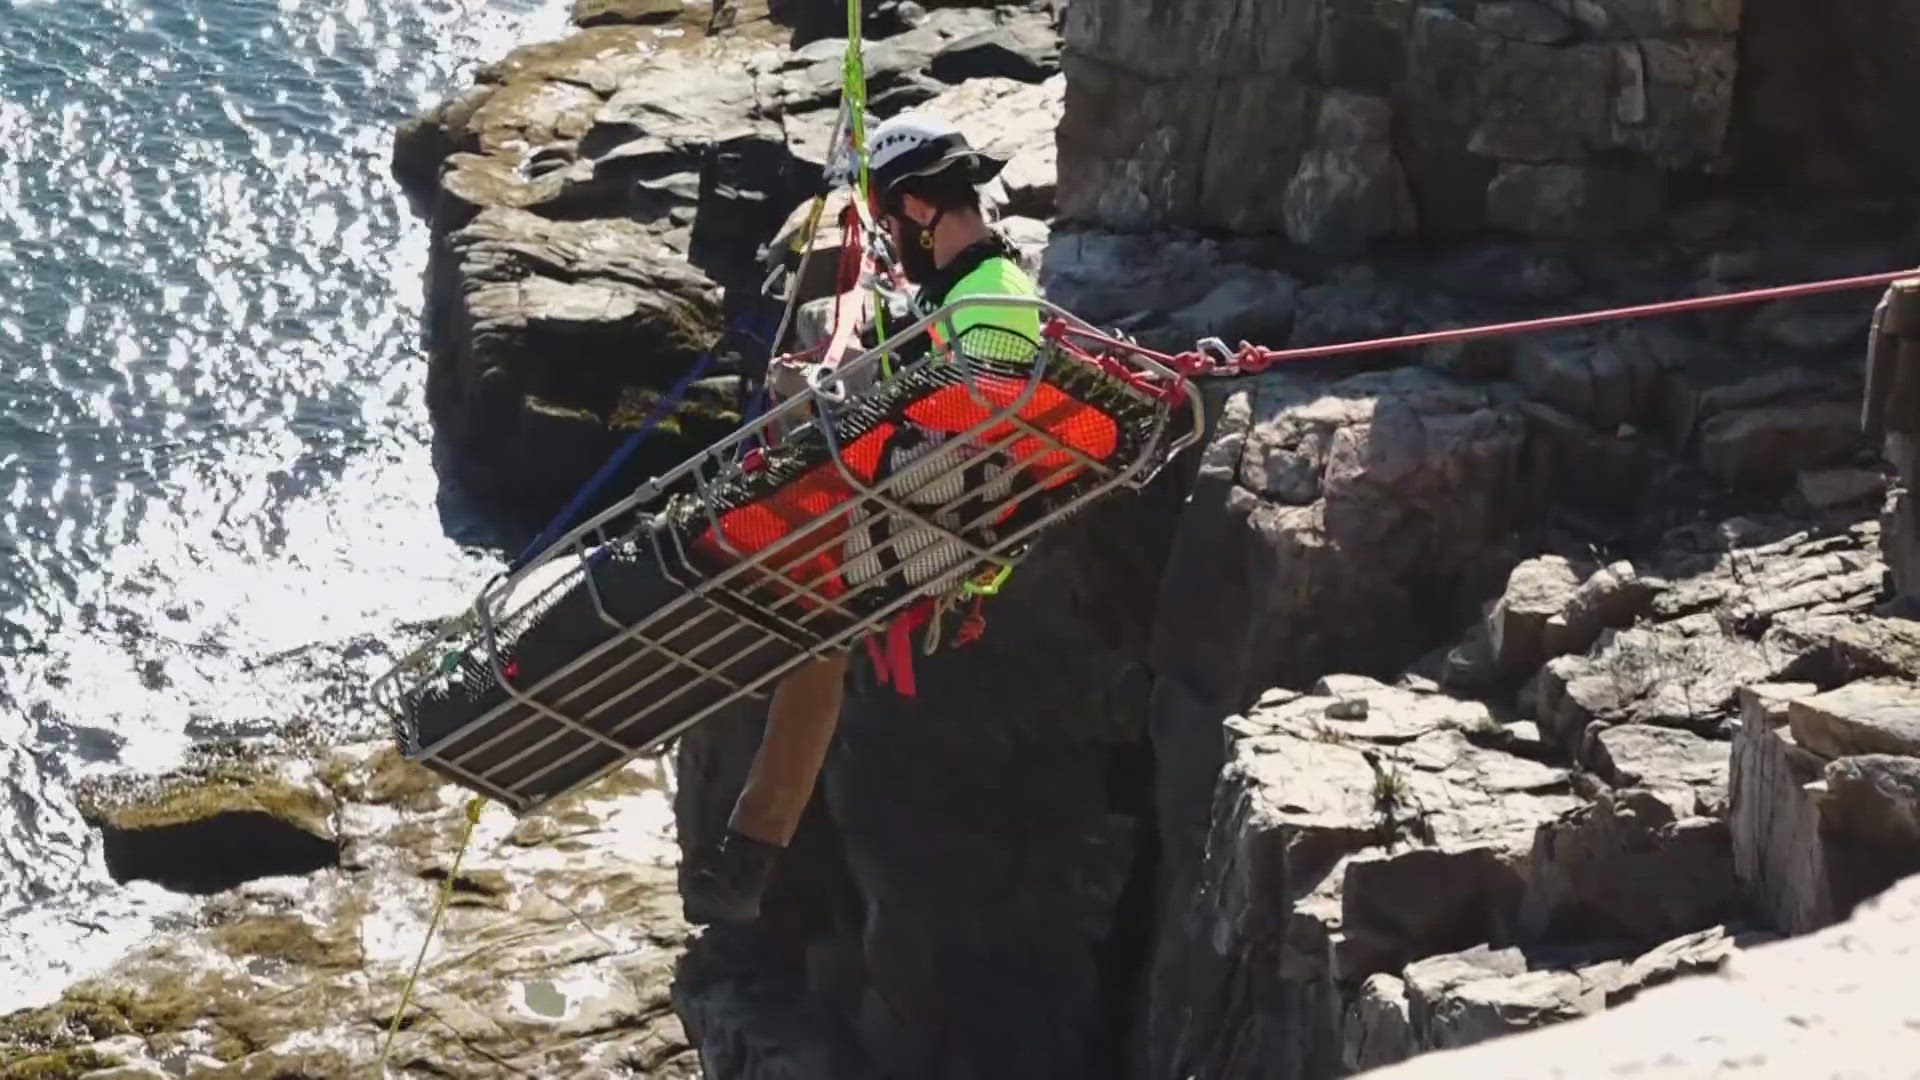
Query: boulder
point(1337, 850)
point(1627, 868)
point(1349, 188)
point(1462, 998)
point(1811, 325)
point(1320, 492)
point(1868, 717)
point(1824, 489)
point(544, 328)
point(1538, 590)
point(1689, 772)
point(1612, 598)
point(811, 77)
point(1026, 49)
point(1112, 278)
point(814, 20)
point(1874, 800)
point(1253, 305)
point(1029, 237)
point(1477, 1009)
point(1155, 135)
point(1684, 675)
point(1471, 665)
point(1815, 836)
point(1766, 447)
point(210, 831)
point(1524, 20)
point(1764, 706)
point(643, 12)
point(1572, 201)
point(1015, 120)
point(1355, 303)
point(1541, 104)
point(1779, 854)
point(1378, 1028)
point(1605, 380)
point(1692, 954)
point(1840, 646)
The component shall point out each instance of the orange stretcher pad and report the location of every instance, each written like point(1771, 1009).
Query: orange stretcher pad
point(599, 658)
point(1071, 418)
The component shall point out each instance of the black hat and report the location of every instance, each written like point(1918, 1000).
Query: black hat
point(910, 145)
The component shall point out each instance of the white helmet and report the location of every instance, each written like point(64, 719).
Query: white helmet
point(913, 144)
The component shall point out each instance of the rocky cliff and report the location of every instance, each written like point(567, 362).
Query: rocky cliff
point(1439, 695)
point(1337, 122)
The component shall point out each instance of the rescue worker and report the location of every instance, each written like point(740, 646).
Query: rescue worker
point(927, 179)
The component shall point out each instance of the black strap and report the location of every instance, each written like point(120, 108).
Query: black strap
point(933, 291)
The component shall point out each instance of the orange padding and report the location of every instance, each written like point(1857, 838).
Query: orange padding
point(767, 525)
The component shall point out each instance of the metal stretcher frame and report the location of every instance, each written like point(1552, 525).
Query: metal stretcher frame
point(828, 623)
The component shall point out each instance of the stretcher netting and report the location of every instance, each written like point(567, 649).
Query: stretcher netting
point(604, 649)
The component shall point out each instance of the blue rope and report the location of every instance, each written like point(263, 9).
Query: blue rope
point(755, 405)
point(666, 405)
point(744, 324)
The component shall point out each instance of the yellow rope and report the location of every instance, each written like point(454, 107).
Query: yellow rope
point(439, 908)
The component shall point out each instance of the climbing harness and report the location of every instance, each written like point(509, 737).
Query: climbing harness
point(474, 807)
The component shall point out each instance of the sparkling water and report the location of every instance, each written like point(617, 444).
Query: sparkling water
point(217, 502)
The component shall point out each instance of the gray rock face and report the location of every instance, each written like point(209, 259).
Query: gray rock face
point(1874, 799)
point(1685, 770)
point(1349, 188)
point(1873, 717)
point(1712, 623)
point(1379, 1029)
point(1560, 118)
point(610, 160)
point(1570, 201)
point(1307, 908)
point(644, 12)
point(1539, 118)
point(1628, 865)
point(1779, 855)
point(1820, 819)
point(553, 329)
point(1460, 999)
point(1819, 86)
point(1769, 445)
point(1338, 850)
point(1026, 49)
point(871, 937)
point(1477, 1009)
point(1538, 591)
point(1015, 120)
point(1821, 1007)
point(1824, 489)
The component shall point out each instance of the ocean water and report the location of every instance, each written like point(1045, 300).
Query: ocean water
point(218, 508)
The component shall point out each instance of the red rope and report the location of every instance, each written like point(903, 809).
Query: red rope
point(1253, 359)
